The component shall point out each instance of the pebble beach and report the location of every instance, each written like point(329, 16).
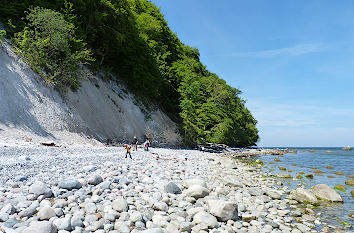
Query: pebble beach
point(96, 189)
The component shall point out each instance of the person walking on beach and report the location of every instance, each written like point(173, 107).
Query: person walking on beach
point(127, 147)
point(135, 143)
point(146, 144)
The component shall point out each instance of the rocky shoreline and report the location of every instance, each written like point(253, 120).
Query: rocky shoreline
point(96, 189)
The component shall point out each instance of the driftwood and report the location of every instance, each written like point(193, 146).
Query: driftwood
point(48, 144)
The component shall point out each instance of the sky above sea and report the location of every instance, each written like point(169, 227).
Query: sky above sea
point(293, 61)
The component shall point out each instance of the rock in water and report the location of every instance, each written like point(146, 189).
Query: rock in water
point(303, 195)
point(223, 210)
point(324, 192)
point(284, 175)
point(172, 188)
point(349, 182)
point(41, 227)
point(69, 184)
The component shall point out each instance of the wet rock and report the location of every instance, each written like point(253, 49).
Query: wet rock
point(349, 182)
point(340, 187)
point(339, 173)
point(329, 166)
point(304, 196)
point(309, 176)
point(324, 192)
point(284, 175)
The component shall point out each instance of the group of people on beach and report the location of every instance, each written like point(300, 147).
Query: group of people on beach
point(134, 146)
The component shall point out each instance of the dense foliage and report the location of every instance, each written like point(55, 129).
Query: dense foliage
point(131, 38)
point(48, 43)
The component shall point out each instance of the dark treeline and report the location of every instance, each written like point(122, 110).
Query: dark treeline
point(131, 39)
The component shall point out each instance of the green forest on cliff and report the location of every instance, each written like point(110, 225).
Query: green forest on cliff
point(131, 39)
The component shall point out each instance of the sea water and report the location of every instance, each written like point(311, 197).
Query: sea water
point(318, 159)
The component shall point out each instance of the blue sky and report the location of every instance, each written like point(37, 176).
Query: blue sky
point(293, 61)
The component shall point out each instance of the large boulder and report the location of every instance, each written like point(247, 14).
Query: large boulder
point(69, 184)
point(40, 188)
point(197, 191)
point(40, 227)
point(324, 192)
point(222, 210)
point(304, 196)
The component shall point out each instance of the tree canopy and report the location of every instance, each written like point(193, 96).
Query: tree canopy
point(132, 39)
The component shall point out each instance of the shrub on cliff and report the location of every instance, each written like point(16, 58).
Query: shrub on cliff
point(49, 44)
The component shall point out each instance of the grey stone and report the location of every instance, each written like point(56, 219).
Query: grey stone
point(196, 181)
point(45, 213)
point(63, 223)
point(120, 205)
point(77, 221)
point(8, 208)
point(95, 180)
point(90, 208)
point(40, 227)
point(197, 191)
point(29, 211)
point(4, 216)
point(305, 196)
point(39, 188)
point(254, 191)
point(324, 192)
point(223, 210)
point(172, 188)
point(205, 218)
point(69, 184)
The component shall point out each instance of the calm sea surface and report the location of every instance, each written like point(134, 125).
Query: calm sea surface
point(307, 162)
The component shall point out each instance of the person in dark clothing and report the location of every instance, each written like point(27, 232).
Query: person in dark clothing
point(135, 143)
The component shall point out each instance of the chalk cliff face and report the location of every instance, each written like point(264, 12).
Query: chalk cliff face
point(100, 110)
